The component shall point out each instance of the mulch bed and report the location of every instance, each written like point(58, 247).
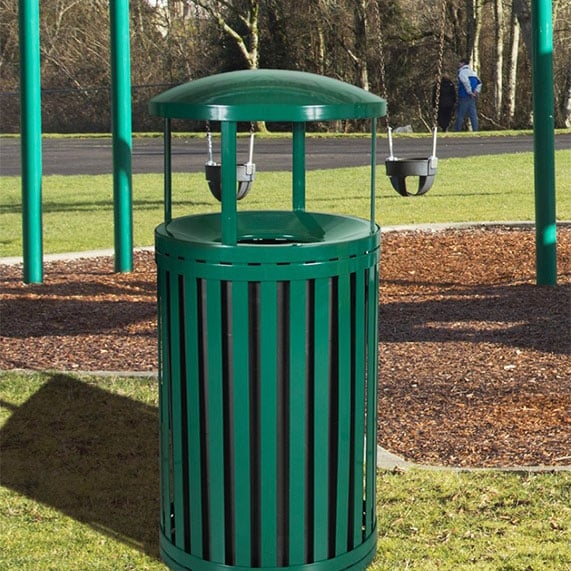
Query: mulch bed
point(474, 358)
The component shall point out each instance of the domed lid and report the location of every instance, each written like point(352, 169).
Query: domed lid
point(267, 95)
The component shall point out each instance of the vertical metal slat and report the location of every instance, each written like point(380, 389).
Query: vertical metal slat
point(359, 408)
point(164, 395)
point(177, 427)
point(193, 416)
point(371, 463)
point(241, 395)
point(268, 414)
point(344, 413)
point(298, 422)
point(321, 356)
point(214, 422)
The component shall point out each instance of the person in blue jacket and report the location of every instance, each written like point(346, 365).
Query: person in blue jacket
point(469, 87)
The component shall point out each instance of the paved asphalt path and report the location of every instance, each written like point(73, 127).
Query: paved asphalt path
point(69, 156)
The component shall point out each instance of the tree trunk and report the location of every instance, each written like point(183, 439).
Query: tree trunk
point(523, 13)
point(499, 38)
point(477, 32)
point(512, 67)
point(360, 19)
point(248, 43)
point(474, 27)
point(567, 99)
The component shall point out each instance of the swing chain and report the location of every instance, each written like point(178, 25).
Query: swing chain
point(439, 68)
point(209, 140)
point(381, 50)
point(249, 165)
point(382, 64)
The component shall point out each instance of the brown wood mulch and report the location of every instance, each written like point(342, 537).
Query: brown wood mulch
point(474, 358)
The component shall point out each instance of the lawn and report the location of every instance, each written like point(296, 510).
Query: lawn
point(80, 491)
point(78, 210)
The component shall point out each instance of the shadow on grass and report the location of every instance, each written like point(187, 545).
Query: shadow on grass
point(90, 454)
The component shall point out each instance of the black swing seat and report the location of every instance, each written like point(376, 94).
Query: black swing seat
point(245, 174)
point(424, 168)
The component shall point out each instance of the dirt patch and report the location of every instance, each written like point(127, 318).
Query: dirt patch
point(474, 358)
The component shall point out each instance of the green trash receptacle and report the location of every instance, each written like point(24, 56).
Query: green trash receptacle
point(268, 357)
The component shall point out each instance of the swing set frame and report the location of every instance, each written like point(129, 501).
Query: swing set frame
point(31, 143)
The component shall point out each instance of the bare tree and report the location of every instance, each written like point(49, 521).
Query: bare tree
point(74, 44)
point(356, 44)
point(513, 66)
point(566, 104)
point(8, 41)
point(499, 42)
point(177, 40)
point(474, 11)
point(562, 60)
point(523, 12)
point(228, 14)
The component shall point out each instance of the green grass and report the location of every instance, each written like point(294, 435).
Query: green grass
point(80, 491)
point(487, 520)
point(78, 210)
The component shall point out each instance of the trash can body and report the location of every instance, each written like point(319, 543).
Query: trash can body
point(268, 368)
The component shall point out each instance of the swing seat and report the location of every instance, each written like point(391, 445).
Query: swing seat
point(399, 169)
point(245, 175)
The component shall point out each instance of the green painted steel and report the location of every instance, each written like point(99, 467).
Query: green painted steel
point(264, 95)
point(168, 171)
point(267, 95)
point(268, 352)
point(321, 446)
point(544, 144)
point(358, 559)
point(214, 410)
point(298, 167)
point(164, 397)
point(298, 426)
point(241, 414)
point(358, 396)
point(373, 171)
point(229, 207)
point(279, 364)
point(176, 436)
point(372, 289)
point(31, 139)
point(121, 131)
point(343, 396)
point(192, 378)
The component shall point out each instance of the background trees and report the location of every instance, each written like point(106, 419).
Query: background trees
point(173, 41)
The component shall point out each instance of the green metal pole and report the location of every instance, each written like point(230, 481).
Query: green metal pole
point(373, 171)
point(168, 170)
point(298, 167)
point(121, 130)
point(228, 174)
point(544, 144)
point(31, 139)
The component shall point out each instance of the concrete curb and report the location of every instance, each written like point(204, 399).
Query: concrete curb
point(391, 462)
point(386, 460)
point(440, 227)
point(14, 260)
